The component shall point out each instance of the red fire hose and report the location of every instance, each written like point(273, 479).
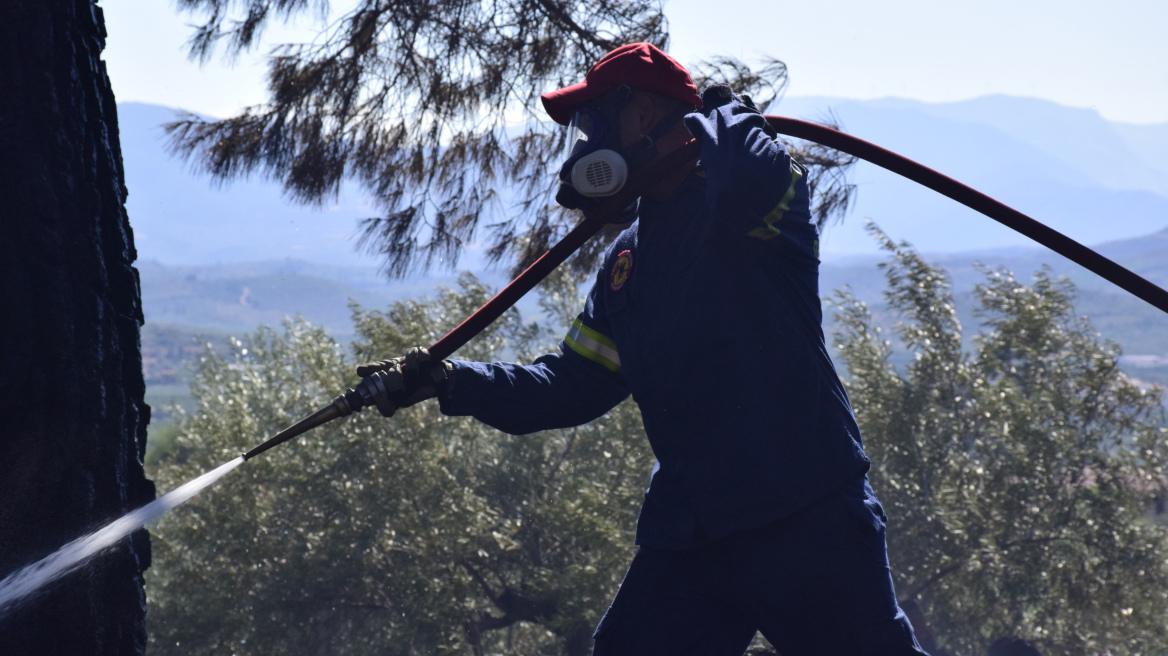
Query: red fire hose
point(808, 131)
point(943, 184)
point(1007, 216)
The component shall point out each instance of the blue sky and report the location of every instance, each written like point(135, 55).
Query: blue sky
point(1111, 57)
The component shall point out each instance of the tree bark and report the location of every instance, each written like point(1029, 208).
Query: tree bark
point(72, 415)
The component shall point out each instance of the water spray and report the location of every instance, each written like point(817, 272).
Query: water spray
point(369, 392)
point(23, 582)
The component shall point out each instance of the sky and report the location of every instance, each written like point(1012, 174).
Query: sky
point(1111, 57)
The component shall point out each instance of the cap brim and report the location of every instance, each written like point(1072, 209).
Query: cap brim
point(560, 103)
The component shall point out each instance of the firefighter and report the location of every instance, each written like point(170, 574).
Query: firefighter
point(706, 309)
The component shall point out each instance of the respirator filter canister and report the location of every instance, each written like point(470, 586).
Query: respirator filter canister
point(600, 173)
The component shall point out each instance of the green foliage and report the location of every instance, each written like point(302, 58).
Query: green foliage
point(161, 438)
point(1016, 478)
point(421, 534)
point(412, 100)
point(420, 103)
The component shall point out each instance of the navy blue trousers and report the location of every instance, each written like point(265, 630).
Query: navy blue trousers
point(816, 582)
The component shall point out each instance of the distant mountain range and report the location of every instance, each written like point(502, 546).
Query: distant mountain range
point(1089, 178)
point(181, 217)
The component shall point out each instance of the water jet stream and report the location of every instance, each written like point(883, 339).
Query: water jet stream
point(24, 582)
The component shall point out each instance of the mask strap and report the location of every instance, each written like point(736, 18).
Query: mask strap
point(666, 124)
point(642, 151)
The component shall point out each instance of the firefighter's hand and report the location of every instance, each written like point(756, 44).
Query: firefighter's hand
point(734, 139)
point(402, 382)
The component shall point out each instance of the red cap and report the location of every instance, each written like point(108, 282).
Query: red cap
point(640, 65)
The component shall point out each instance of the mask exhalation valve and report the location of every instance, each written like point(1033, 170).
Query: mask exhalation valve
point(601, 173)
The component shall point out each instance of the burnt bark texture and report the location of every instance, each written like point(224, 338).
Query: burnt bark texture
point(72, 415)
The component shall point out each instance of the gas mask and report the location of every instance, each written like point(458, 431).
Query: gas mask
point(595, 163)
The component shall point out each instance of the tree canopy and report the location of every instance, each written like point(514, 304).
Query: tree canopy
point(1018, 478)
point(432, 109)
point(422, 534)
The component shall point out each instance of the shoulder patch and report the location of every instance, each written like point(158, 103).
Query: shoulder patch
point(621, 270)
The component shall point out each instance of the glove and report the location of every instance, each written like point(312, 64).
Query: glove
point(766, 128)
point(715, 96)
point(731, 133)
point(402, 382)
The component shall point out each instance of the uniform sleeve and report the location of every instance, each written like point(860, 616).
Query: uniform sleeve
point(748, 172)
point(580, 383)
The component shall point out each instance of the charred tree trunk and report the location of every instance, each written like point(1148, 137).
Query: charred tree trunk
point(72, 416)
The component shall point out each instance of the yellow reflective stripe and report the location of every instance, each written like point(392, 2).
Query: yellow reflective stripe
point(776, 214)
point(592, 334)
point(593, 345)
point(765, 232)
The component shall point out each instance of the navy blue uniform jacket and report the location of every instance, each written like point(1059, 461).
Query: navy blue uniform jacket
point(707, 311)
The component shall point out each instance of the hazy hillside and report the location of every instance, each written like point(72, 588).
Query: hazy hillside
point(1149, 142)
point(212, 302)
point(180, 217)
point(188, 307)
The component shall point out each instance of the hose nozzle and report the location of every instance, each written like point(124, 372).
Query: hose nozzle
point(376, 389)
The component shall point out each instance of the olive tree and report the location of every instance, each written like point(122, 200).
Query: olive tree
point(1017, 478)
point(420, 534)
